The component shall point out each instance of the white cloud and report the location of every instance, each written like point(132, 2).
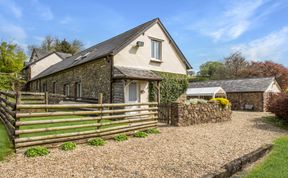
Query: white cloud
point(271, 47)
point(44, 11)
point(13, 31)
point(12, 7)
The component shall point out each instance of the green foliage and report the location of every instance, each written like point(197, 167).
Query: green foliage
point(11, 58)
point(67, 146)
point(211, 70)
point(36, 151)
point(172, 86)
point(275, 164)
point(152, 131)
point(140, 134)
point(5, 145)
point(195, 101)
point(223, 102)
point(276, 121)
point(120, 137)
point(96, 142)
point(55, 44)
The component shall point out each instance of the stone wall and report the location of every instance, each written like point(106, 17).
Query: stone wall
point(118, 91)
point(95, 77)
point(185, 115)
point(239, 100)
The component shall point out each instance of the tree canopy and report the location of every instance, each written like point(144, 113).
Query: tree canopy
point(55, 44)
point(236, 66)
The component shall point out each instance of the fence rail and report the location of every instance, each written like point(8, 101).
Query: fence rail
point(36, 124)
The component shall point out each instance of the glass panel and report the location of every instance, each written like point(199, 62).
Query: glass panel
point(133, 92)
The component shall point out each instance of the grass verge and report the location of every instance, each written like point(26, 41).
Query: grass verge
point(276, 122)
point(275, 164)
point(5, 145)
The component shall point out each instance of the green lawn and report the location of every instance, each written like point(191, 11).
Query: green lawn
point(5, 145)
point(276, 122)
point(275, 164)
point(61, 124)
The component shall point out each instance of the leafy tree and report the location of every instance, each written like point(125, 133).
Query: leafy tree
point(212, 70)
point(269, 69)
point(55, 44)
point(11, 63)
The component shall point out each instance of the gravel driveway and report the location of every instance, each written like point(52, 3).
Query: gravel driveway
point(176, 152)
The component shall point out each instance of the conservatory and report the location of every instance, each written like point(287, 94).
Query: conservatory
point(206, 93)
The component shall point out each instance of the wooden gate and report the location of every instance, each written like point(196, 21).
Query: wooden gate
point(164, 112)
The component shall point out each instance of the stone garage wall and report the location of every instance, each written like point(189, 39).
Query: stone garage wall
point(239, 100)
point(185, 115)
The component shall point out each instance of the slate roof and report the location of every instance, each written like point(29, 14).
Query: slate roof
point(134, 73)
point(239, 85)
point(109, 47)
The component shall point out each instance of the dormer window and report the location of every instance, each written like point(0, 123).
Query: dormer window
point(156, 49)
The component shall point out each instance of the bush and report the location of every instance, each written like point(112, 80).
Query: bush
point(36, 151)
point(195, 101)
point(152, 131)
point(120, 137)
point(141, 134)
point(279, 106)
point(68, 146)
point(223, 102)
point(96, 142)
point(172, 87)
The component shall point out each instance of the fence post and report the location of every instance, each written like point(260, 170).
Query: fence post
point(18, 101)
point(100, 101)
point(46, 99)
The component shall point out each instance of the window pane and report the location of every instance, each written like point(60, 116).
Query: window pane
point(133, 92)
point(152, 49)
point(155, 49)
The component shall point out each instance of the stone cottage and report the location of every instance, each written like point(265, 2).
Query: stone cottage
point(244, 94)
point(120, 67)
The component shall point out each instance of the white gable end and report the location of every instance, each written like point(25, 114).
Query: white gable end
point(140, 57)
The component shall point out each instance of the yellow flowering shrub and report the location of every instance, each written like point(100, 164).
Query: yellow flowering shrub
point(223, 102)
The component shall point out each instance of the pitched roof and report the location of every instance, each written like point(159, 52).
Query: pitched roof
point(109, 47)
point(239, 85)
point(134, 73)
point(40, 53)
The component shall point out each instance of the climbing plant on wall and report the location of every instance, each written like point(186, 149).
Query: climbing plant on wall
point(172, 86)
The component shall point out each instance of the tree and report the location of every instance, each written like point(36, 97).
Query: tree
point(235, 65)
point(55, 44)
point(11, 63)
point(11, 58)
point(212, 70)
point(269, 69)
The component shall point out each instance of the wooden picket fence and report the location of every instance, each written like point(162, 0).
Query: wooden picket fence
point(43, 123)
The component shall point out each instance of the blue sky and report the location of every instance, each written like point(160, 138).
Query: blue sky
point(204, 30)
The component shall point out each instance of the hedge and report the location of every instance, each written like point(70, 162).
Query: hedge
point(279, 106)
point(172, 86)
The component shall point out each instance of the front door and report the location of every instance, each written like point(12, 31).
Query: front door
point(132, 94)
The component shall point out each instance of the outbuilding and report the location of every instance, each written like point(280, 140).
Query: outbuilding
point(206, 93)
point(244, 94)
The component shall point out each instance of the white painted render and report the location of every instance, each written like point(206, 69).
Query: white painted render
point(140, 57)
point(274, 88)
point(43, 64)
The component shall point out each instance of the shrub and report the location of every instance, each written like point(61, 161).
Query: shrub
point(141, 134)
point(172, 87)
point(68, 146)
point(96, 142)
point(120, 137)
point(152, 131)
point(36, 151)
point(195, 101)
point(223, 102)
point(279, 106)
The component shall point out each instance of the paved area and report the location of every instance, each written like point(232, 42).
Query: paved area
point(176, 152)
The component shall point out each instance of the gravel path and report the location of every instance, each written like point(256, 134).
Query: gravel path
point(176, 152)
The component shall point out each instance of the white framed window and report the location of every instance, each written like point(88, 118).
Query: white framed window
point(78, 89)
point(66, 89)
point(156, 49)
point(133, 92)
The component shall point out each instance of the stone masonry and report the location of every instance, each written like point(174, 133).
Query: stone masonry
point(95, 77)
point(185, 115)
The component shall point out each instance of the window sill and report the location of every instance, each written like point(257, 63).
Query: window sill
point(156, 60)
